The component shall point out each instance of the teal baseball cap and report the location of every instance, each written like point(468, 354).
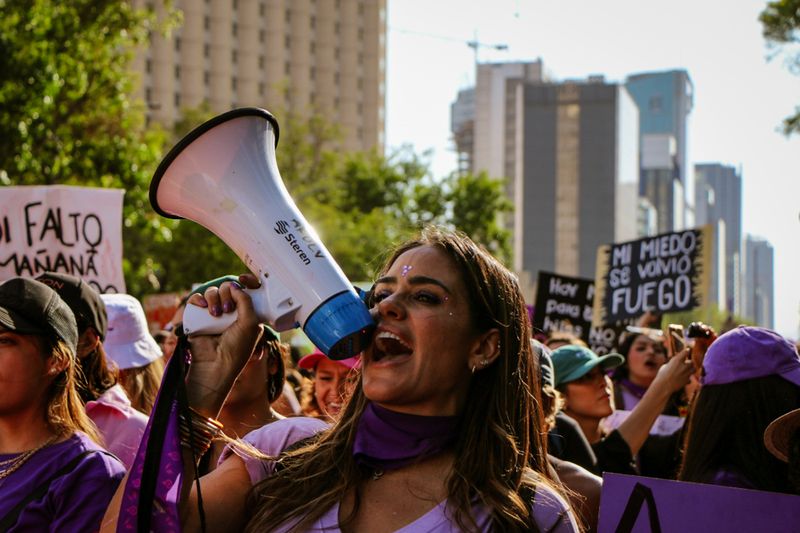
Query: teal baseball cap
point(572, 362)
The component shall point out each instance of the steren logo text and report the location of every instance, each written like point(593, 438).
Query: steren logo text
point(282, 228)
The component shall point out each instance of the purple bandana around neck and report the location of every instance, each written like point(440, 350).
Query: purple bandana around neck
point(633, 388)
point(388, 440)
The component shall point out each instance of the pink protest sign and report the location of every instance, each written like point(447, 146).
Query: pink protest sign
point(641, 505)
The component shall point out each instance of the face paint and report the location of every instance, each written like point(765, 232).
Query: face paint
point(405, 270)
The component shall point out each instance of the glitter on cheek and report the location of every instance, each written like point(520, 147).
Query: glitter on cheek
point(406, 269)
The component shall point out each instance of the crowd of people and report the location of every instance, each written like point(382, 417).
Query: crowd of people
point(452, 419)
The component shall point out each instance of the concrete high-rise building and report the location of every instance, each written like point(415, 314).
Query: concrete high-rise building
point(658, 181)
point(462, 126)
point(576, 173)
point(718, 196)
point(482, 123)
point(304, 56)
point(758, 288)
point(647, 218)
point(665, 100)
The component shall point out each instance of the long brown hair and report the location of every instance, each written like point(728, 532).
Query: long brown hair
point(96, 375)
point(65, 410)
point(726, 431)
point(142, 384)
point(500, 451)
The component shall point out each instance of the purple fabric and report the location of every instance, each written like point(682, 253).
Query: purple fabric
point(170, 473)
point(633, 388)
point(749, 352)
point(75, 501)
point(271, 440)
point(550, 512)
point(387, 439)
point(730, 477)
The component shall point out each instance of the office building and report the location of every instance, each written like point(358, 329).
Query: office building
point(462, 126)
point(665, 100)
point(575, 149)
point(304, 56)
point(482, 122)
point(646, 218)
point(658, 181)
point(758, 290)
point(718, 196)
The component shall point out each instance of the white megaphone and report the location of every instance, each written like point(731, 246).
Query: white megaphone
point(224, 176)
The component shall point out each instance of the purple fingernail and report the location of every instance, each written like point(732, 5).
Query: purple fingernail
point(227, 307)
point(216, 310)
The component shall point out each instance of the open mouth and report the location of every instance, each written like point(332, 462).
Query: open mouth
point(388, 346)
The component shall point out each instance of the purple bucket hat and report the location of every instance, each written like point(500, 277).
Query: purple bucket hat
point(750, 352)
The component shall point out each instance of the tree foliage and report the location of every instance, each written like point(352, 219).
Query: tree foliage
point(67, 116)
point(711, 315)
point(66, 111)
point(359, 203)
point(780, 22)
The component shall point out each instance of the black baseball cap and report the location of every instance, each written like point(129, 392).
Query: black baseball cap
point(30, 307)
point(84, 301)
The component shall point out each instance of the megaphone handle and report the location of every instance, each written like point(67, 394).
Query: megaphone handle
point(198, 321)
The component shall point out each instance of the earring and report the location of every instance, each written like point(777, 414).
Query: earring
point(484, 362)
point(273, 389)
point(473, 368)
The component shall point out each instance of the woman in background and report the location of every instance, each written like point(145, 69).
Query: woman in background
point(53, 474)
point(580, 377)
point(644, 355)
point(249, 404)
point(330, 386)
point(750, 377)
point(120, 425)
point(133, 350)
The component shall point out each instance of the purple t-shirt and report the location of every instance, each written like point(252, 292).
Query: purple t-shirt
point(75, 501)
point(550, 511)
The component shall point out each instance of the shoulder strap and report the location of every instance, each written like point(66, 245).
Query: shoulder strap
point(11, 517)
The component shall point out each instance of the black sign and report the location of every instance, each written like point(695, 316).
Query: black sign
point(563, 304)
point(665, 273)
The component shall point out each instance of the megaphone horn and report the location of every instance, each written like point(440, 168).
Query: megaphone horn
point(224, 176)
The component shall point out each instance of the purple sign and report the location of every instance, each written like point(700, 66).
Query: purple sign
point(646, 505)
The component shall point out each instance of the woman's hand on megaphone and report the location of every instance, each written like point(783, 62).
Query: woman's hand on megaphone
point(218, 359)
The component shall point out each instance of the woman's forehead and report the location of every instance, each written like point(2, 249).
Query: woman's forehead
point(422, 258)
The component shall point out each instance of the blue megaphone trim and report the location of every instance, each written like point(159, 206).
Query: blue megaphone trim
point(341, 327)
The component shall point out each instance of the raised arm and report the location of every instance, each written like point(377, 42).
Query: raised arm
point(216, 361)
point(671, 378)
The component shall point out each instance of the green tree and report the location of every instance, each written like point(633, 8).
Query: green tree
point(67, 117)
point(711, 315)
point(66, 111)
point(780, 22)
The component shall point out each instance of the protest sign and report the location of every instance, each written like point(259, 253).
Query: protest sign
point(640, 504)
point(160, 308)
point(666, 273)
point(605, 338)
point(563, 304)
point(74, 230)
